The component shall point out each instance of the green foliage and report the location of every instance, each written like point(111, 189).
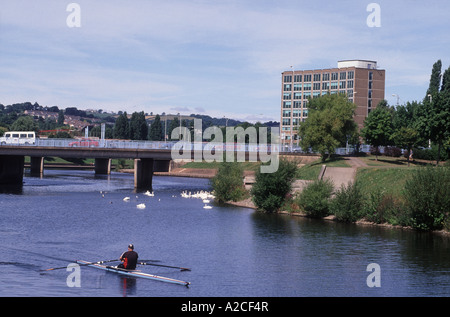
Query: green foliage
point(138, 126)
point(121, 127)
point(427, 196)
point(24, 123)
point(270, 189)
point(314, 200)
point(155, 132)
point(228, 183)
point(347, 205)
point(330, 122)
point(378, 127)
point(381, 207)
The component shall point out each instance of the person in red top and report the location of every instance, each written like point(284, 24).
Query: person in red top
point(129, 259)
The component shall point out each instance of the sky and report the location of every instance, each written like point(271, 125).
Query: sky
point(214, 57)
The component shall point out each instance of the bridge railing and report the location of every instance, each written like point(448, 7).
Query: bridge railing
point(162, 145)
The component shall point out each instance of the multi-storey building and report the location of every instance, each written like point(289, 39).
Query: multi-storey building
point(360, 80)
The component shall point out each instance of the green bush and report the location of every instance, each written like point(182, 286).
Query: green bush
point(348, 203)
point(228, 183)
point(314, 199)
point(385, 208)
point(270, 189)
point(427, 196)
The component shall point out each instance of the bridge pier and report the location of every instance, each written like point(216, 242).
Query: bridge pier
point(143, 173)
point(11, 169)
point(102, 166)
point(36, 165)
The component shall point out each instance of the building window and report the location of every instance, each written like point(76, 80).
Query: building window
point(297, 104)
point(297, 95)
point(326, 76)
point(307, 86)
point(296, 113)
point(307, 78)
point(288, 78)
point(342, 75)
point(369, 103)
point(334, 85)
point(370, 94)
point(350, 84)
point(325, 86)
point(287, 87)
point(287, 104)
point(297, 78)
point(287, 113)
point(370, 75)
point(350, 93)
point(316, 77)
point(297, 87)
point(305, 113)
point(286, 96)
point(342, 85)
point(316, 86)
point(306, 95)
point(316, 94)
point(334, 76)
point(370, 84)
point(286, 121)
point(350, 75)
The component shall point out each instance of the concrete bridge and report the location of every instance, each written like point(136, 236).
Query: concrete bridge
point(148, 157)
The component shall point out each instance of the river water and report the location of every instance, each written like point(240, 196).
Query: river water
point(232, 251)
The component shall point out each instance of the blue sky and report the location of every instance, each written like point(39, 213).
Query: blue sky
point(221, 58)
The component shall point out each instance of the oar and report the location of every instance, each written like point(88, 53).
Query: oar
point(64, 267)
point(162, 265)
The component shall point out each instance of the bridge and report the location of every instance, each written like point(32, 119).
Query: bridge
point(148, 156)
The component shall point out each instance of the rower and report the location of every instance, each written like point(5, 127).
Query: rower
point(129, 259)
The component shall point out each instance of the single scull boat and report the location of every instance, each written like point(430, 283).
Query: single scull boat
point(133, 273)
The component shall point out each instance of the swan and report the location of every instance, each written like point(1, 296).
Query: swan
point(207, 207)
point(126, 199)
point(141, 206)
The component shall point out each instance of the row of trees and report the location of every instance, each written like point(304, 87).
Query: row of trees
point(416, 123)
point(330, 122)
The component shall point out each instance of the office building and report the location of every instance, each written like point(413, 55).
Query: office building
point(360, 80)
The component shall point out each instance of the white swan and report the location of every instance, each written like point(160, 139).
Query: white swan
point(126, 199)
point(207, 207)
point(141, 206)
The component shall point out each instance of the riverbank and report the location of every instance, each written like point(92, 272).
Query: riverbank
point(385, 177)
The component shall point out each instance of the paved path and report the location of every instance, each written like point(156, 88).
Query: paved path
point(344, 175)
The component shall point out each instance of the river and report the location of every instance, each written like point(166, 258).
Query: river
point(232, 251)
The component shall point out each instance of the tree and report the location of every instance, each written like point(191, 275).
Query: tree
point(406, 131)
point(155, 131)
point(175, 123)
point(329, 124)
point(121, 128)
point(270, 189)
point(378, 129)
point(228, 183)
point(436, 112)
point(25, 123)
point(61, 117)
point(138, 126)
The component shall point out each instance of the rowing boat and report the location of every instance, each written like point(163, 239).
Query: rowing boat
point(134, 273)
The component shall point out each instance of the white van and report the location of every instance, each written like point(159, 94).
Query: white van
point(19, 137)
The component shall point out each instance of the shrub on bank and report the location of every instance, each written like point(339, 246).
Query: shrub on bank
point(314, 200)
point(347, 205)
point(270, 189)
point(427, 196)
point(228, 183)
point(382, 207)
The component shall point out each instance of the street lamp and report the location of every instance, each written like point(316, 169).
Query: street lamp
point(398, 97)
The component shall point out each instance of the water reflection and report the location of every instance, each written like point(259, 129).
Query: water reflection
point(127, 286)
